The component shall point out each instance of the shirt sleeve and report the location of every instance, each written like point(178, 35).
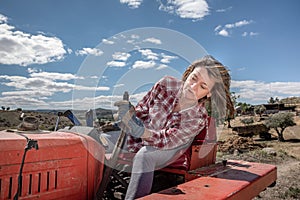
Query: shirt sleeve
point(143, 106)
point(142, 112)
point(191, 123)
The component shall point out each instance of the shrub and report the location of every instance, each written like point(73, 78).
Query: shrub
point(247, 121)
point(280, 121)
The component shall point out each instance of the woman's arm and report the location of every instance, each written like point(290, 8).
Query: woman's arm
point(177, 135)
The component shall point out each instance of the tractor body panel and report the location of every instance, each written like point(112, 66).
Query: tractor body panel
point(66, 165)
point(237, 180)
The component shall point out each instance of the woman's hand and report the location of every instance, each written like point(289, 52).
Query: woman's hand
point(127, 120)
point(146, 134)
point(123, 108)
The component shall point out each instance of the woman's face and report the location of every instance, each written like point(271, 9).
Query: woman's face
point(197, 85)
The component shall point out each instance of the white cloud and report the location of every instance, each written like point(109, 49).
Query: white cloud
point(105, 41)
point(32, 70)
point(32, 91)
point(143, 64)
point(223, 30)
point(53, 75)
point(218, 28)
point(116, 64)
point(253, 33)
point(260, 92)
point(132, 3)
point(89, 51)
point(44, 84)
point(99, 101)
point(190, 9)
point(24, 102)
point(103, 101)
point(242, 23)
point(224, 9)
point(119, 85)
point(122, 56)
point(152, 40)
point(133, 39)
point(162, 66)
point(149, 54)
point(167, 58)
point(227, 26)
point(88, 88)
point(69, 51)
point(3, 19)
point(29, 84)
point(238, 24)
point(134, 36)
point(20, 48)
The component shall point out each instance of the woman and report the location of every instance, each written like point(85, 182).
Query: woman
point(171, 114)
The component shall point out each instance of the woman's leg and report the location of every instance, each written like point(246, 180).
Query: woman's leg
point(144, 164)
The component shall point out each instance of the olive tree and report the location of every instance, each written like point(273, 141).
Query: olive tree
point(280, 121)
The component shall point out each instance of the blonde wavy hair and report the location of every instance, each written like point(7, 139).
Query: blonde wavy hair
point(219, 103)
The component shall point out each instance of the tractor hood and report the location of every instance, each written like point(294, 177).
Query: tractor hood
point(61, 164)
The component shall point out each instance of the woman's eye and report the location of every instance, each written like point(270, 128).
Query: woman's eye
point(203, 86)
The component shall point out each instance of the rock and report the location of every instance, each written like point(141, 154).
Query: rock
point(270, 151)
point(236, 152)
point(29, 124)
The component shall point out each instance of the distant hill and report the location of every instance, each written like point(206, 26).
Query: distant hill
point(101, 113)
point(10, 119)
point(291, 100)
point(47, 120)
point(104, 113)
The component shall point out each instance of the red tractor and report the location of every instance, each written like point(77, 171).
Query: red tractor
point(72, 164)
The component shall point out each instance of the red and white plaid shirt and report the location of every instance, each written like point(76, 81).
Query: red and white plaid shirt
point(168, 129)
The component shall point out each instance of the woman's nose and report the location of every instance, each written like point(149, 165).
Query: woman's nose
point(194, 85)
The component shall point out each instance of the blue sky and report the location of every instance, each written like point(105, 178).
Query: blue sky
point(85, 54)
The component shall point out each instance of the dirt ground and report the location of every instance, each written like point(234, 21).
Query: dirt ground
point(285, 155)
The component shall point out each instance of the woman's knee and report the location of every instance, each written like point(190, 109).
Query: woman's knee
point(144, 161)
point(144, 154)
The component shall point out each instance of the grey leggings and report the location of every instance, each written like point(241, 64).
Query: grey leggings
point(145, 162)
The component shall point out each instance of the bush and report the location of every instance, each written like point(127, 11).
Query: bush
point(292, 192)
point(247, 121)
point(280, 121)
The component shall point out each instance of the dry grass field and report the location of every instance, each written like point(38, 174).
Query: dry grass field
point(285, 155)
